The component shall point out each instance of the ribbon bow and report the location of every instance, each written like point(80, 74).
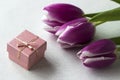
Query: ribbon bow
point(24, 45)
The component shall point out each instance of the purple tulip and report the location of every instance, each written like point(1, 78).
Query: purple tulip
point(98, 54)
point(60, 13)
point(75, 33)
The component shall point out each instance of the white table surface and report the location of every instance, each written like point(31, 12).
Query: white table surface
point(59, 64)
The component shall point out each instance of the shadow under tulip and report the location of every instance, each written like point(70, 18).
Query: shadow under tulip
point(106, 72)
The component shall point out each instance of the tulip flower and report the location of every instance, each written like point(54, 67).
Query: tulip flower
point(60, 13)
point(98, 54)
point(77, 32)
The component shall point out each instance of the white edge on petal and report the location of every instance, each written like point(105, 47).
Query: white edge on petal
point(64, 42)
point(67, 45)
point(59, 32)
point(52, 28)
point(43, 18)
point(46, 16)
point(90, 60)
point(89, 54)
point(78, 54)
point(67, 28)
point(64, 31)
point(53, 19)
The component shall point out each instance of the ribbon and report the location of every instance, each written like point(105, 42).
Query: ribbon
point(24, 45)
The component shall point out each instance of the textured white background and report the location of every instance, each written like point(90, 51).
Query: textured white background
point(59, 64)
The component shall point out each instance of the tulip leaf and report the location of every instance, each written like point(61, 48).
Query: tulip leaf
point(91, 15)
point(110, 15)
point(116, 40)
point(117, 1)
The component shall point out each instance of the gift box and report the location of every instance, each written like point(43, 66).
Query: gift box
point(26, 49)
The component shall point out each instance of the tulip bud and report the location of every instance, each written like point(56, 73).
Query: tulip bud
point(60, 13)
point(75, 33)
point(98, 54)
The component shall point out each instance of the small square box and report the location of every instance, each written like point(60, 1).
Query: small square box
point(26, 49)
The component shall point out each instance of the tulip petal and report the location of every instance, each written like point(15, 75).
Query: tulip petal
point(62, 12)
point(98, 54)
point(68, 45)
point(51, 22)
point(80, 33)
point(70, 23)
point(52, 29)
point(83, 54)
point(100, 62)
point(100, 47)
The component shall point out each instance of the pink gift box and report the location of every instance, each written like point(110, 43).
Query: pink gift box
point(26, 49)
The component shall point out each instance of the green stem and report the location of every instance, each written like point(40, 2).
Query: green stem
point(117, 52)
point(116, 40)
point(118, 48)
point(98, 23)
point(91, 14)
point(94, 23)
point(117, 1)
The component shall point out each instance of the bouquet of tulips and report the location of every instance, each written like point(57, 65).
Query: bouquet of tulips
point(76, 29)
